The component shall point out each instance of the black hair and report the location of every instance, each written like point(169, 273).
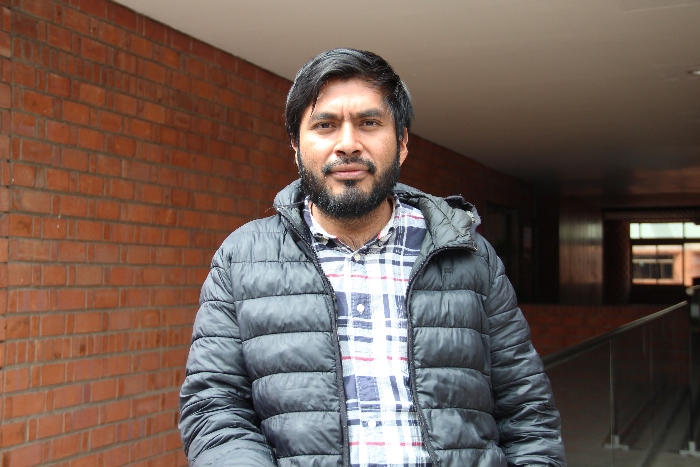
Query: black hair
point(346, 64)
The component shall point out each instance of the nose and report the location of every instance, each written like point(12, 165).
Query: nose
point(348, 143)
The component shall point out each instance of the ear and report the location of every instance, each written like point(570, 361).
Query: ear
point(403, 146)
point(296, 153)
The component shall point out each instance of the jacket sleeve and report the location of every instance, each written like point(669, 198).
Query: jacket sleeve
point(529, 424)
point(217, 421)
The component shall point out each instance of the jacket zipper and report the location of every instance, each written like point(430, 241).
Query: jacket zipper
point(336, 344)
point(411, 364)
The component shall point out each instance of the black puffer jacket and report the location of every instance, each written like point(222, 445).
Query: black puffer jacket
point(264, 382)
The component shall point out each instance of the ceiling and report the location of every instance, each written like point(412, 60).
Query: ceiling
point(586, 97)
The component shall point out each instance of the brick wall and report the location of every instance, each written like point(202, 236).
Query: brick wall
point(555, 327)
point(128, 152)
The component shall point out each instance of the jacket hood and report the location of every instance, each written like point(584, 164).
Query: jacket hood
point(451, 221)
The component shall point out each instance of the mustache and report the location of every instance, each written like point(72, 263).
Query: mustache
point(369, 165)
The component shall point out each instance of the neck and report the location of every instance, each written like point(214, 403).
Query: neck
point(357, 231)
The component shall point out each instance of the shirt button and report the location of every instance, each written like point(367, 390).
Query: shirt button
point(356, 257)
point(360, 308)
point(371, 424)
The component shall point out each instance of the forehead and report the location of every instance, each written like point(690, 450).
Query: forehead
point(348, 93)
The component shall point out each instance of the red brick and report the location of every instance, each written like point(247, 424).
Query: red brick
point(102, 436)
point(109, 121)
point(116, 411)
point(33, 151)
point(53, 275)
point(74, 159)
point(72, 252)
point(53, 228)
point(134, 384)
point(52, 374)
point(66, 446)
point(77, 113)
point(24, 25)
point(94, 7)
point(17, 327)
point(91, 94)
point(16, 380)
point(28, 300)
point(67, 396)
point(89, 322)
point(21, 225)
point(37, 103)
point(59, 37)
point(93, 50)
point(91, 139)
point(5, 44)
point(52, 325)
point(23, 175)
point(107, 209)
point(72, 206)
point(119, 276)
point(111, 35)
point(121, 15)
point(140, 128)
point(90, 184)
point(125, 104)
point(19, 274)
point(107, 165)
point(122, 189)
point(49, 425)
point(24, 124)
point(154, 72)
point(24, 456)
point(124, 146)
point(41, 8)
point(84, 418)
point(5, 93)
point(103, 389)
point(170, 58)
point(88, 275)
point(58, 132)
point(153, 112)
point(31, 200)
point(103, 298)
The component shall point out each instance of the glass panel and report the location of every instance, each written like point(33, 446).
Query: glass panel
point(634, 231)
point(657, 264)
point(661, 230)
point(645, 414)
point(631, 381)
point(691, 262)
point(582, 395)
point(692, 230)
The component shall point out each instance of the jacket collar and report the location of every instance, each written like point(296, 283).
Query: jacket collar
point(451, 221)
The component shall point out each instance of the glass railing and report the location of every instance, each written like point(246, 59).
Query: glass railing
point(629, 397)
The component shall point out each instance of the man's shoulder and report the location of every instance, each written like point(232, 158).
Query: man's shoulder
point(252, 232)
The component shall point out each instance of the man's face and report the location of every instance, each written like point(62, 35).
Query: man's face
point(348, 156)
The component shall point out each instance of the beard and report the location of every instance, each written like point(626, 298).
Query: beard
point(352, 202)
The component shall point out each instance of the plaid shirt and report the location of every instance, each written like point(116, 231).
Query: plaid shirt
point(370, 287)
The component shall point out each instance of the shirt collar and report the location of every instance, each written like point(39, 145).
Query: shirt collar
point(321, 236)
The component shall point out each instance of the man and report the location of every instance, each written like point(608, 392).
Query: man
point(366, 324)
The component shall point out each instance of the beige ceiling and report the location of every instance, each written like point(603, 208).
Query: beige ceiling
point(584, 96)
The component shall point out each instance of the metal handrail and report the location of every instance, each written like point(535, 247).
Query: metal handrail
point(556, 358)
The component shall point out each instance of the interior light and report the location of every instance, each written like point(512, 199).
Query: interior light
point(694, 71)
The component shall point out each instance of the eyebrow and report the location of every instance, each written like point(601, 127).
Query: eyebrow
point(331, 116)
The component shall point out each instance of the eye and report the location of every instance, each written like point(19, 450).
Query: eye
point(371, 123)
point(323, 126)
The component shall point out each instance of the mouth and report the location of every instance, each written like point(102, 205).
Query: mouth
point(346, 171)
point(349, 171)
